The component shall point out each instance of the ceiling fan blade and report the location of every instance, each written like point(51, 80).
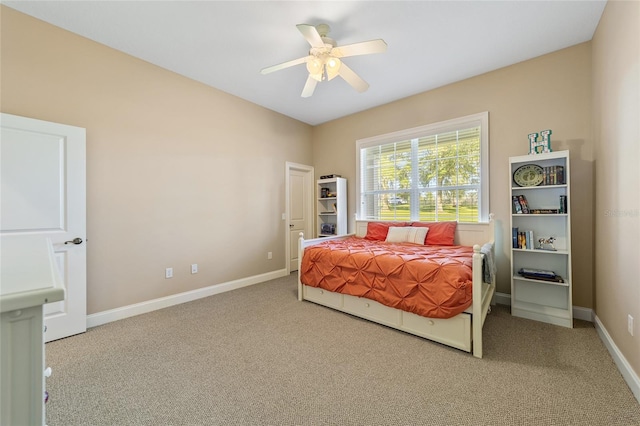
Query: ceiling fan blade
point(352, 78)
point(362, 48)
point(284, 65)
point(310, 33)
point(309, 87)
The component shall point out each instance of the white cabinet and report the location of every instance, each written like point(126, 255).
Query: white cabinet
point(29, 280)
point(541, 237)
point(332, 207)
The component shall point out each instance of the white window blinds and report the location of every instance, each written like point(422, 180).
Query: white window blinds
point(432, 173)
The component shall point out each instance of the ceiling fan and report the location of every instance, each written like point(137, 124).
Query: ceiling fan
point(324, 59)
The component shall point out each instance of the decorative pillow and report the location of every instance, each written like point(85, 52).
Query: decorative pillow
point(378, 230)
point(407, 234)
point(440, 233)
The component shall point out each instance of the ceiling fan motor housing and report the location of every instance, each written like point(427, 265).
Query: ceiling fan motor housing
point(323, 29)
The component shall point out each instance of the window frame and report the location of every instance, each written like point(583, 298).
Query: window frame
point(479, 119)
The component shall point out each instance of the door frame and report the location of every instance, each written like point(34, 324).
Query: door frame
point(309, 225)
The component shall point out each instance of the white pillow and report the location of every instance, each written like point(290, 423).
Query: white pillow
point(407, 234)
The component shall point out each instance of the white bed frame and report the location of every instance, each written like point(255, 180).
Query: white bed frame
point(463, 331)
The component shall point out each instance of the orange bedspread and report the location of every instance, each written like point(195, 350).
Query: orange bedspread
point(431, 281)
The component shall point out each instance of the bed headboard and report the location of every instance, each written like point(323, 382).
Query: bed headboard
point(467, 234)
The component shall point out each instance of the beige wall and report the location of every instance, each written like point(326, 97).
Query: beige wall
point(177, 172)
point(549, 92)
point(616, 119)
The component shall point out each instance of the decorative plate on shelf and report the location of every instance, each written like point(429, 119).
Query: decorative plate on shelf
point(528, 175)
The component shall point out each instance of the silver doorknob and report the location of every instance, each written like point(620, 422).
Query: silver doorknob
point(74, 241)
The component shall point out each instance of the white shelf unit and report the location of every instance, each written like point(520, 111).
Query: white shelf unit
point(539, 300)
point(332, 207)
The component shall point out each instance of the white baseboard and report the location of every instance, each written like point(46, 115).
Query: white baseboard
point(584, 314)
point(111, 315)
point(630, 376)
point(502, 299)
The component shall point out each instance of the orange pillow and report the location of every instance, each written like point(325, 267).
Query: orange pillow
point(440, 233)
point(378, 230)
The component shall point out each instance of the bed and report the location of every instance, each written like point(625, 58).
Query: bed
point(359, 282)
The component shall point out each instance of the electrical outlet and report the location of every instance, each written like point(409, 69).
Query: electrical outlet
point(630, 324)
point(168, 273)
point(194, 268)
point(269, 255)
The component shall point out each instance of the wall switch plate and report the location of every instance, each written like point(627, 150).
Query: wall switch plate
point(269, 255)
point(630, 324)
point(194, 268)
point(168, 273)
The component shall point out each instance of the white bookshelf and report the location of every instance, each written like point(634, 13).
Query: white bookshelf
point(332, 207)
point(540, 300)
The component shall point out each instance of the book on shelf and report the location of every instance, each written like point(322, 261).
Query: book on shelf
point(544, 211)
point(563, 204)
point(514, 238)
point(560, 175)
point(556, 279)
point(523, 204)
point(547, 175)
point(516, 205)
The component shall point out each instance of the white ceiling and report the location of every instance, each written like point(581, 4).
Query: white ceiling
point(225, 44)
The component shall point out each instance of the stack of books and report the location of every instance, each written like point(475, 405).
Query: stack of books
point(522, 239)
point(537, 274)
point(553, 175)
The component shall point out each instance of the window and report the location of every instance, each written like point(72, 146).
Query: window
point(437, 172)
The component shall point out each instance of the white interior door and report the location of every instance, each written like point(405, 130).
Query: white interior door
point(43, 187)
point(299, 209)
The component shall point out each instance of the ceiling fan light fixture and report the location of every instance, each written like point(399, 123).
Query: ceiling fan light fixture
point(315, 66)
point(333, 67)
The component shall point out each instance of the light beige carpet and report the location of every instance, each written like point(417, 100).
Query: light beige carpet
point(257, 356)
